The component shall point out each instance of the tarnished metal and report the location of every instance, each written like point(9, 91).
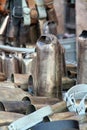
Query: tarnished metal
point(82, 58)
point(10, 65)
point(16, 49)
point(27, 63)
point(29, 66)
point(21, 80)
point(49, 66)
point(13, 94)
point(50, 27)
point(8, 84)
point(36, 117)
point(15, 106)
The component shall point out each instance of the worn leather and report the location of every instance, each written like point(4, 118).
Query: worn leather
point(49, 3)
point(52, 15)
point(33, 11)
point(3, 7)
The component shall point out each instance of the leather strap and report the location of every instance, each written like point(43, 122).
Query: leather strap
point(48, 3)
point(58, 125)
point(26, 13)
point(4, 6)
point(33, 11)
point(41, 9)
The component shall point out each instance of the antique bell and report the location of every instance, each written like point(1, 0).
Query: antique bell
point(48, 66)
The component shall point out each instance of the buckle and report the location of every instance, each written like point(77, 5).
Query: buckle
point(17, 12)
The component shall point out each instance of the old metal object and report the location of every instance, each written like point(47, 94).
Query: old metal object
point(49, 66)
point(15, 106)
point(8, 84)
point(31, 85)
point(29, 66)
point(33, 118)
point(7, 117)
point(21, 80)
point(50, 27)
point(63, 62)
point(13, 94)
point(10, 65)
point(82, 58)
point(77, 92)
point(16, 49)
point(49, 4)
point(27, 63)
